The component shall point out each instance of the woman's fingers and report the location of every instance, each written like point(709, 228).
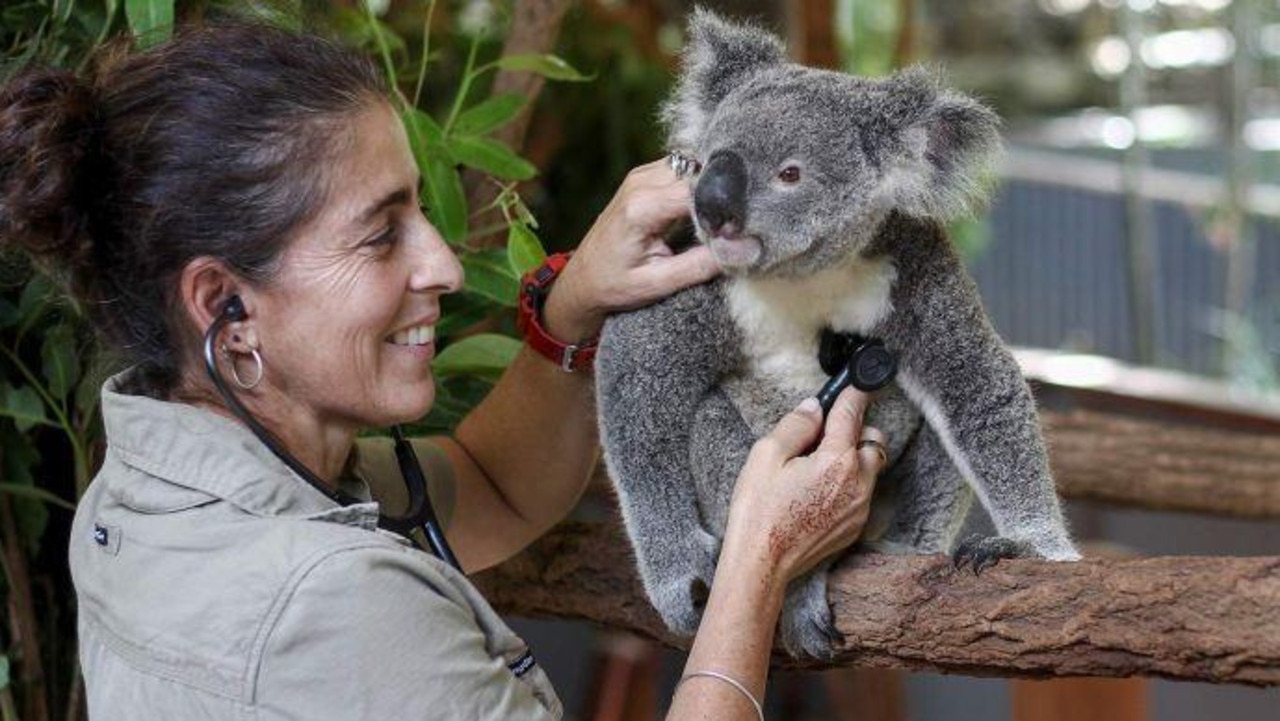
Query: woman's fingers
point(844, 422)
point(662, 276)
point(871, 450)
point(796, 431)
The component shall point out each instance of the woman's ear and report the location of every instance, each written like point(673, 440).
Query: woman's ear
point(206, 286)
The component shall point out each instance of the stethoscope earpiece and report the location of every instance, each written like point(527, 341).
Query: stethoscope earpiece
point(421, 515)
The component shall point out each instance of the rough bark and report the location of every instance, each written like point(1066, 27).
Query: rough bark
point(1158, 465)
point(1202, 619)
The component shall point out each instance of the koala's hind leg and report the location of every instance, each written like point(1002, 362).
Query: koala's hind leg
point(930, 498)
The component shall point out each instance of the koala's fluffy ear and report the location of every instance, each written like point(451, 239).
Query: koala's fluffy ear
point(940, 165)
point(718, 56)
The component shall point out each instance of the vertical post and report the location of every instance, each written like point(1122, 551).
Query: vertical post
point(1143, 281)
point(1240, 172)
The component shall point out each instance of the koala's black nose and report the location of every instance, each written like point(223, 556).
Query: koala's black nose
point(720, 200)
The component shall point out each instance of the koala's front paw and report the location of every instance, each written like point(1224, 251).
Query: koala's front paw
point(807, 627)
point(982, 552)
point(682, 584)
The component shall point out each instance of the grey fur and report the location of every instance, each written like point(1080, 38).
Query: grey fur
point(686, 386)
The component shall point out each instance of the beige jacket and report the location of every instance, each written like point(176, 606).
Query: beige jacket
point(215, 584)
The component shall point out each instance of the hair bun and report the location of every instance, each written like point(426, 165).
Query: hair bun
point(48, 121)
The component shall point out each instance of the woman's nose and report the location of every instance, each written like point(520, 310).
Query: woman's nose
point(434, 265)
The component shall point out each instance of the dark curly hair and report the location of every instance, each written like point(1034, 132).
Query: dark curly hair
point(212, 144)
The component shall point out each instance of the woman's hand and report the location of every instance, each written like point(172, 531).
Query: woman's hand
point(799, 509)
point(623, 262)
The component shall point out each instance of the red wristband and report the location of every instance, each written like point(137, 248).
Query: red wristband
point(534, 288)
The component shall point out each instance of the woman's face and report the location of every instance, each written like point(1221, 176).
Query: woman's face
point(346, 328)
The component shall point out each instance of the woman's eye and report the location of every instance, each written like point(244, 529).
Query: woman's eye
point(386, 237)
point(789, 174)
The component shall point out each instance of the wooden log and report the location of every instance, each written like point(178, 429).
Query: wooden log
point(1187, 618)
point(1133, 461)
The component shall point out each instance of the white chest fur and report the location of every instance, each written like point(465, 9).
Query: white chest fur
point(781, 319)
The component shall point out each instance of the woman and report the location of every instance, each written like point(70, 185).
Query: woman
point(247, 162)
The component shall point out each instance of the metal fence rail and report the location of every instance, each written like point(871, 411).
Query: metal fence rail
point(1052, 273)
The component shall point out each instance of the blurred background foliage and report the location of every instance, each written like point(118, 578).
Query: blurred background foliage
point(1136, 216)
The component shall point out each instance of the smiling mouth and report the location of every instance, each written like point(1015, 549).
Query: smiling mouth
point(418, 335)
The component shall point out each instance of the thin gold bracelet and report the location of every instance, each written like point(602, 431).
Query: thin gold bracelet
point(729, 680)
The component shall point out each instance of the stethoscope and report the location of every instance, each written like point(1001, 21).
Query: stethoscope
point(420, 515)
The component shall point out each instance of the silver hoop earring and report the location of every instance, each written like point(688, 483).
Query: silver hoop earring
point(235, 374)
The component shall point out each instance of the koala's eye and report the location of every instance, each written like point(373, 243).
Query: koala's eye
point(789, 175)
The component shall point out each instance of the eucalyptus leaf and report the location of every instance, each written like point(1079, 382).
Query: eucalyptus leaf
point(9, 315)
point(548, 66)
point(489, 115)
point(486, 355)
point(491, 277)
point(458, 316)
point(35, 494)
point(446, 199)
point(524, 250)
point(150, 20)
point(37, 297)
point(62, 10)
point(18, 456)
point(491, 156)
point(23, 405)
point(61, 367)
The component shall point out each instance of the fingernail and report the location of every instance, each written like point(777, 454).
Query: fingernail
point(808, 405)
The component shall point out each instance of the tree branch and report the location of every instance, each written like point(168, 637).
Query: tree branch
point(1158, 465)
point(1202, 619)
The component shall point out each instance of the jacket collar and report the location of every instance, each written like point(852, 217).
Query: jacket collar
point(198, 449)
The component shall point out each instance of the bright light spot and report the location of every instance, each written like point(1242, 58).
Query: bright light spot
point(1141, 5)
point(378, 7)
point(1263, 134)
point(1111, 56)
point(1189, 48)
point(1118, 133)
point(1167, 124)
point(1269, 40)
point(1064, 7)
point(1080, 370)
point(1206, 5)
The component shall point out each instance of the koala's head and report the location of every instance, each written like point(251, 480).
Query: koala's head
point(799, 167)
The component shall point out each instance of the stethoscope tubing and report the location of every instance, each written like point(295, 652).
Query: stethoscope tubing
point(420, 515)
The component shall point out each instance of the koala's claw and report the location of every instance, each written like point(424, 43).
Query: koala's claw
point(807, 627)
point(982, 552)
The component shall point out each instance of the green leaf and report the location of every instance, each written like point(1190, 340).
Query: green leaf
point(150, 20)
point(62, 10)
point(490, 114)
point(23, 405)
point(4, 672)
point(459, 313)
point(524, 250)
point(446, 200)
point(35, 494)
point(61, 367)
point(37, 297)
point(18, 456)
point(88, 388)
point(486, 354)
point(491, 156)
point(548, 66)
point(8, 313)
point(488, 274)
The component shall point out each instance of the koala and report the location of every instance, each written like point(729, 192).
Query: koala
point(821, 194)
